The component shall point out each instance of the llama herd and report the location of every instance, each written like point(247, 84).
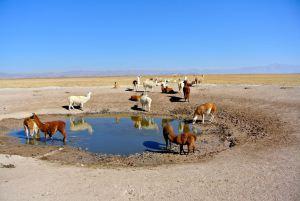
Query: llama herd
point(185, 138)
point(144, 99)
point(32, 125)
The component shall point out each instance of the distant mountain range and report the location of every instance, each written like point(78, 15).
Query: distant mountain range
point(274, 68)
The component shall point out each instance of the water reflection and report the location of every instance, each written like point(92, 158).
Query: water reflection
point(117, 120)
point(114, 135)
point(80, 125)
point(143, 122)
point(183, 127)
point(33, 141)
point(165, 121)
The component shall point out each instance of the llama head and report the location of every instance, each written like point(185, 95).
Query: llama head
point(33, 115)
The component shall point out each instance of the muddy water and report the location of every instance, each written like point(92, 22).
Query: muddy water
point(112, 135)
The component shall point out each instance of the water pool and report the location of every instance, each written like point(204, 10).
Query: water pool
point(112, 135)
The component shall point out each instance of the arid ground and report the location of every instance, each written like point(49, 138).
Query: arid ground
point(256, 134)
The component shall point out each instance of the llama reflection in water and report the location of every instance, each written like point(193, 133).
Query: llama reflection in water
point(143, 122)
point(117, 120)
point(34, 140)
point(80, 125)
point(165, 121)
point(183, 127)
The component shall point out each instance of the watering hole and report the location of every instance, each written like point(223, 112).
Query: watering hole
point(112, 135)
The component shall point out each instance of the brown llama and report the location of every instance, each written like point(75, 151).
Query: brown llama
point(30, 127)
point(167, 131)
point(205, 109)
point(51, 127)
point(186, 91)
point(135, 97)
point(167, 90)
point(188, 139)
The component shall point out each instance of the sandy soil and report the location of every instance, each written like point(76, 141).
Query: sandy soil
point(264, 164)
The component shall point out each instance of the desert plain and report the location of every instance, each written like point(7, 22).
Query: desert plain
point(256, 157)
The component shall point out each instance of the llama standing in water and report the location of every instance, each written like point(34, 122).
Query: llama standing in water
point(51, 127)
point(30, 127)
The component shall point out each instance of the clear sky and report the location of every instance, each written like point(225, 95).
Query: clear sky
point(62, 35)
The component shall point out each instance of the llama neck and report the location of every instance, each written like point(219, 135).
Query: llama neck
point(38, 122)
point(171, 137)
point(88, 96)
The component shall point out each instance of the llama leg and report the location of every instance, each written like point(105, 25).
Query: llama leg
point(212, 117)
point(202, 118)
point(37, 136)
point(50, 135)
point(167, 141)
point(26, 131)
point(45, 133)
point(71, 106)
point(195, 119)
point(32, 132)
point(63, 132)
point(181, 149)
point(149, 107)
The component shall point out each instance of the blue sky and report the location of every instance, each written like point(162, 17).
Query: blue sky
point(61, 35)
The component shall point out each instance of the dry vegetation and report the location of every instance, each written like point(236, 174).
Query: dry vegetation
point(277, 79)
